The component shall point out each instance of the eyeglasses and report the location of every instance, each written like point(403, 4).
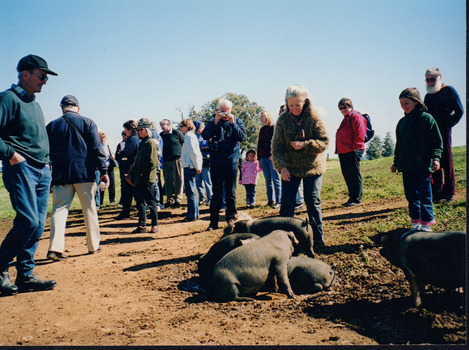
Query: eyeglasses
point(42, 77)
point(342, 108)
point(140, 129)
point(430, 80)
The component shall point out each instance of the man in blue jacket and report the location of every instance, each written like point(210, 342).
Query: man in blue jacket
point(225, 133)
point(24, 150)
point(76, 152)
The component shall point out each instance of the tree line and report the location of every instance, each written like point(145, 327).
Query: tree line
point(249, 113)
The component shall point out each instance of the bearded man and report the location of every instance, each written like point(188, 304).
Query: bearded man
point(444, 105)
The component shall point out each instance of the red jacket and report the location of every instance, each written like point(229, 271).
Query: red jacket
point(351, 133)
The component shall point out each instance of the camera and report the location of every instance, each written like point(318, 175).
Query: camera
point(223, 114)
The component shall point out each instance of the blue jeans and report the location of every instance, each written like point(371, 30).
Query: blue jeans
point(271, 177)
point(98, 194)
point(203, 179)
point(418, 192)
point(250, 194)
point(29, 194)
point(312, 197)
point(191, 194)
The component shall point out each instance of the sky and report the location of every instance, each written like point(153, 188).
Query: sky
point(127, 59)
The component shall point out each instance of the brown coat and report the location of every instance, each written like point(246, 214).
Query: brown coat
point(308, 161)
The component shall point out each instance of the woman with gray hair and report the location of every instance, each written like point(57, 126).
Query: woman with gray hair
point(300, 139)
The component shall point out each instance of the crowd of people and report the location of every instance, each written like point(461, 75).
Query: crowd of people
point(201, 160)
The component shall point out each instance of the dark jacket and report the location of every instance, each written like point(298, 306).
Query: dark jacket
point(75, 154)
point(172, 145)
point(418, 142)
point(264, 149)
point(126, 157)
point(22, 127)
point(445, 107)
point(224, 140)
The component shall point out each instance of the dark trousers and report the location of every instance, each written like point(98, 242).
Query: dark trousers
point(223, 177)
point(350, 166)
point(444, 180)
point(144, 195)
point(111, 189)
point(127, 194)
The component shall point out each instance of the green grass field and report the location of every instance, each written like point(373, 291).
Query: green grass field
point(378, 184)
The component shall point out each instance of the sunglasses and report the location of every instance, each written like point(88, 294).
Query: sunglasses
point(430, 80)
point(342, 108)
point(42, 77)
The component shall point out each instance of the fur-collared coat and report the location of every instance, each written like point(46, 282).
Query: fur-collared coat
point(311, 159)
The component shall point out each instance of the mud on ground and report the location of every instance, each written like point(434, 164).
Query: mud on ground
point(131, 293)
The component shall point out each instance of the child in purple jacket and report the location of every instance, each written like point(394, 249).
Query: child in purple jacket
point(249, 170)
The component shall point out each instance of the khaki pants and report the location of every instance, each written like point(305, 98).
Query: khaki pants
point(62, 200)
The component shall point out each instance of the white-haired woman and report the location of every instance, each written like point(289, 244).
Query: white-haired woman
point(143, 176)
point(300, 139)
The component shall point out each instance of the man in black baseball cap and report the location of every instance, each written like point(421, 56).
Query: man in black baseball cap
point(24, 150)
point(32, 62)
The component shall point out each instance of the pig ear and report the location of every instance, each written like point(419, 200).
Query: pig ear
point(247, 241)
point(293, 238)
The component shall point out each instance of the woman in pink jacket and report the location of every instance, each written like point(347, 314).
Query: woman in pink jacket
point(249, 170)
point(350, 145)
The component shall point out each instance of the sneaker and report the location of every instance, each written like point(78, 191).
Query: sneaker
point(425, 228)
point(140, 229)
point(276, 206)
point(270, 204)
point(415, 226)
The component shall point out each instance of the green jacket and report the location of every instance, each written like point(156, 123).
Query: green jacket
point(146, 162)
point(418, 142)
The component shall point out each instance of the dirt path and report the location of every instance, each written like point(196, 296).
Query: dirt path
point(128, 295)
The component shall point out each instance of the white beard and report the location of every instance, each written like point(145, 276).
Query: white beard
point(435, 88)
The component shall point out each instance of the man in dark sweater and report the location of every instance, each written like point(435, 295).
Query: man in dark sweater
point(24, 150)
point(76, 152)
point(444, 105)
point(172, 167)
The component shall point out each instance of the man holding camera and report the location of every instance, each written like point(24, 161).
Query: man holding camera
point(225, 133)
